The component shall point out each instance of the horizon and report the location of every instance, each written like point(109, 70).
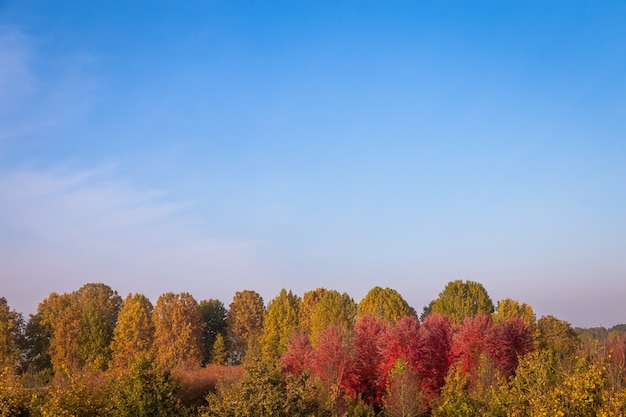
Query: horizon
point(217, 147)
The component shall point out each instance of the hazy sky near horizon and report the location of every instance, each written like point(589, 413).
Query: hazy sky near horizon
point(220, 146)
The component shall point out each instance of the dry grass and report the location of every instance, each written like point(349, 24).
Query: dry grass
point(198, 383)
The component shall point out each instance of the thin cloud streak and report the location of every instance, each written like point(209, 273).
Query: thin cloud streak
point(60, 231)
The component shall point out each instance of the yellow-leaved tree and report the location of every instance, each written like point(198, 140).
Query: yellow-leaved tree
point(134, 334)
point(177, 331)
point(384, 303)
point(245, 323)
point(280, 321)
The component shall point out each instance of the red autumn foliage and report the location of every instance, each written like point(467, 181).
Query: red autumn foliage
point(436, 339)
point(299, 355)
point(333, 360)
point(507, 342)
point(369, 381)
point(401, 342)
point(470, 342)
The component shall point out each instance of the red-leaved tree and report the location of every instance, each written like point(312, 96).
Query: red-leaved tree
point(470, 342)
point(299, 354)
point(436, 338)
point(332, 360)
point(401, 342)
point(509, 341)
point(369, 380)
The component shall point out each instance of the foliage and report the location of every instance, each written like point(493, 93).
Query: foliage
point(280, 322)
point(263, 392)
point(177, 331)
point(214, 317)
point(134, 334)
point(384, 303)
point(307, 307)
point(37, 346)
point(245, 323)
point(11, 336)
point(435, 335)
point(81, 325)
point(333, 360)
point(298, 357)
point(508, 341)
point(509, 309)
point(557, 337)
point(14, 399)
point(76, 394)
point(333, 309)
point(470, 343)
point(145, 390)
point(403, 397)
point(99, 306)
point(369, 378)
point(456, 399)
point(403, 342)
point(219, 353)
point(459, 300)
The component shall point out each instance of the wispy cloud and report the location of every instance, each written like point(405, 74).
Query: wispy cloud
point(39, 92)
point(59, 230)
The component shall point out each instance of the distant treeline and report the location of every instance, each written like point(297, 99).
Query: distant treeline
point(90, 352)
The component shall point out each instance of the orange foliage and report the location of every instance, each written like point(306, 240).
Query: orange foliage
point(197, 383)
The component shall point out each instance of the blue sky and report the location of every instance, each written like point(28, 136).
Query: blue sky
point(222, 146)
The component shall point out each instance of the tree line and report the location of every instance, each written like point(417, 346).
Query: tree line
point(91, 352)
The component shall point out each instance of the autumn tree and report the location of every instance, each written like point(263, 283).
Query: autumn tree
point(214, 317)
point(134, 334)
point(369, 381)
point(244, 323)
point(298, 357)
point(37, 347)
point(60, 319)
point(177, 331)
point(80, 325)
point(557, 337)
point(219, 353)
point(11, 336)
point(384, 303)
point(99, 306)
point(403, 397)
point(435, 335)
point(507, 343)
point(280, 322)
point(508, 309)
point(461, 299)
point(334, 309)
point(469, 344)
point(146, 390)
point(307, 307)
point(401, 341)
point(333, 364)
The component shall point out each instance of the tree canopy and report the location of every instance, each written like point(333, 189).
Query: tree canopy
point(384, 303)
point(461, 299)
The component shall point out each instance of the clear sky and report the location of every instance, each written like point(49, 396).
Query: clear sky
point(222, 145)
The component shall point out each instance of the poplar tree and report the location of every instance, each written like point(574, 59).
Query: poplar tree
point(245, 323)
point(99, 306)
point(80, 325)
point(307, 306)
point(280, 321)
point(134, 334)
point(177, 331)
